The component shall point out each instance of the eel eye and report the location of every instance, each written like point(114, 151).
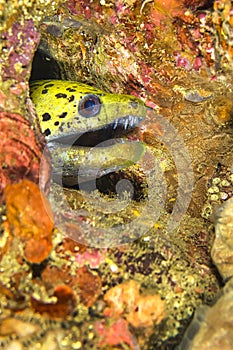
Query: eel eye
point(89, 106)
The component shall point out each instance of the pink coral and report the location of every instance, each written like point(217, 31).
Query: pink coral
point(115, 334)
point(93, 257)
point(20, 41)
point(182, 61)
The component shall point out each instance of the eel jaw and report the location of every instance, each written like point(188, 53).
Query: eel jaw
point(91, 138)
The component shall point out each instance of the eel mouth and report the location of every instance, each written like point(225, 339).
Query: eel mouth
point(93, 137)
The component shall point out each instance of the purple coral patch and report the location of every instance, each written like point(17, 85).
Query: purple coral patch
point(21, 41)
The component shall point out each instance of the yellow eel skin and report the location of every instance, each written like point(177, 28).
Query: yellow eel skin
point(74, 116)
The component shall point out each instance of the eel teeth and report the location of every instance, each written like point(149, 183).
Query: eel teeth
point(127, 123)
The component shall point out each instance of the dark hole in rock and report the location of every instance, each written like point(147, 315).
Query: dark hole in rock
point(44, 67)
point(137, 188)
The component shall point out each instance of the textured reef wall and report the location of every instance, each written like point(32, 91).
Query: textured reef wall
point(55, 290)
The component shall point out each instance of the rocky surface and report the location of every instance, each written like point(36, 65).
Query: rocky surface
point(177, 57)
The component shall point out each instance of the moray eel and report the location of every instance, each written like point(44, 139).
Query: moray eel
point(74, 117)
